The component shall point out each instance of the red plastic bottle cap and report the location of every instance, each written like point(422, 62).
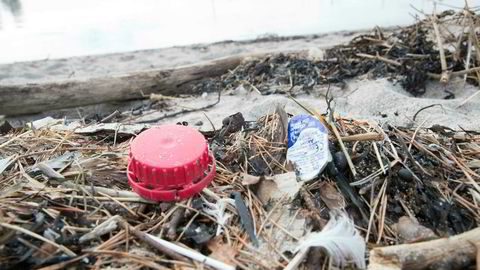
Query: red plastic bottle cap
point(169, 163)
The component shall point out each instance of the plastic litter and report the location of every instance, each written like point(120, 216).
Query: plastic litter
point(170, 162)
point(307, 146)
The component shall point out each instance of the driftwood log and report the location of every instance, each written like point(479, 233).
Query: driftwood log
point(35, 98)
point(455, 252)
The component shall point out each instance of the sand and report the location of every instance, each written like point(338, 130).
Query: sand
point(378, 100)
point(118, 63)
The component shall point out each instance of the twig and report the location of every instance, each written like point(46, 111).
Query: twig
point(373, 175)
point(439, 253)
point(63, 265)
point(379, 158)
point(191, 254)
point(144, 237)
point(444, 76)
point(468, 99)
point(465, 171)
point(415, 133)
point(473, 37)
point(138, 259)
point(380, 58)
point(110, 117)
point(119, 203)
point(373, 209)
point(34, 235)
point(211, 123)
point(382, 211)
point(404, 147)
point(105, 227)
point(188, 225)
point(455, 73)
point(469, 51)
point(269, 214)
point(372, 136)
point(344, 149)
point(181, 112)
point(301, 105)
point(251, 85)
point(297, 260)
point(424, 108)
point(177, 216)
point(320, 222)
point(108, 191)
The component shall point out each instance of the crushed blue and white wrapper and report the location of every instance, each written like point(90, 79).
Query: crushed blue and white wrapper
point(307, 146)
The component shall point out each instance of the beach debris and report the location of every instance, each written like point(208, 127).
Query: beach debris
point(307, 146)
point(279, 207)
point(192, 254)
point(222, 251)
point(182, 111)
point(110, 117)
point(409, 230)
point(245, 217)
point(454, 252)
point(109, 128)
point(315, 210)
point(176, 218)
point(105, 227)
point(333, 199)
point(96, 190)
point(49, 167)
point(62, 160)
point(5, 192)
point(217, 210)
point(248, 179)
point(232, 124)
point(438, 47)
point(66, 94)
point(199, 234)
point(278, 186)
point(282, 122)
point(5, 127)
point(170, 162)
point(44, 123)
point(49, 171)
point(316, 54)
point(346, 189)
point(5, 162)
point(281, 230)
point(398, 184)
point(116, 128)
point(338, 238)
point(266, 146)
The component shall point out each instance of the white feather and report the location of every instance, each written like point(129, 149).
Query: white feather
point(217, 210)
point(340, 239)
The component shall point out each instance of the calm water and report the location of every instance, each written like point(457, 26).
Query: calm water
point(39, 29)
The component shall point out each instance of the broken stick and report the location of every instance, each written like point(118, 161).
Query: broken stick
point(34, 98)
point(443, 62)
point(446, 253)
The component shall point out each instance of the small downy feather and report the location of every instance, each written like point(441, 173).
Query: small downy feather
point(340, 239)
point(217, 210)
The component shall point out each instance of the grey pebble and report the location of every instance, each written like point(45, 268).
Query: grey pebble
point(405, 174)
